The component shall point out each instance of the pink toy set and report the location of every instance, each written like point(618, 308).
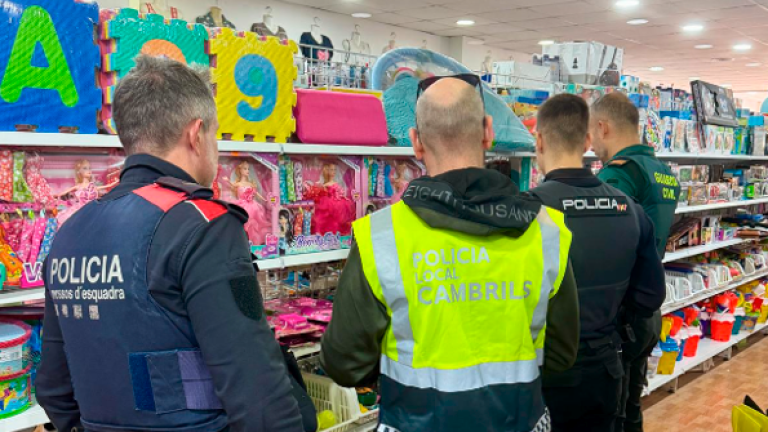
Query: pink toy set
point(251, 181)
point(385, 180)
point(38, 193)
point(298, 321)
point(320, 199)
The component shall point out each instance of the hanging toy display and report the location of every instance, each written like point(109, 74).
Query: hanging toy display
point(385, 180)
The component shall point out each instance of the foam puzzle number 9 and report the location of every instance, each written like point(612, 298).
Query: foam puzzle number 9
point(254, 85)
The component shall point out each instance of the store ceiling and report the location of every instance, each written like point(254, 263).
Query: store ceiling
point(519, 25)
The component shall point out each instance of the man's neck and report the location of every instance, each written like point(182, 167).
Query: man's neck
point(621, 144)
point(566, 162)
point(437, 169)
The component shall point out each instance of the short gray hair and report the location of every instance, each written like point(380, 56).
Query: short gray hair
point(156, 100)
point(456, 123)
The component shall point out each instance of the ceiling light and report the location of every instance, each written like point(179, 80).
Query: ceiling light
point(625, 4)
point(725, 86)
point(693, 27)
point(694, 78)
point(361, 15)
point(546, 42)
point(754, 64)
point(752, 93)
point(638, 21)
point(704, 46)
point(657, 69)
point(465, 22)
point(742, 47)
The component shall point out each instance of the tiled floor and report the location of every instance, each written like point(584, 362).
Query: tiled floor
point(705, 403)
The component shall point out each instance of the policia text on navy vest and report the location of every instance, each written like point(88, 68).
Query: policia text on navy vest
point(73, 278)
point(447, 267)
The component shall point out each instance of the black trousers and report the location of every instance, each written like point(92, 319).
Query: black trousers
point(586, 398)
point(635, 361)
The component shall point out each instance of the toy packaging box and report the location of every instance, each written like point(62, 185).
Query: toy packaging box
point(591, 63)
point(320, 198)
point(385, 180)
point(251, 181)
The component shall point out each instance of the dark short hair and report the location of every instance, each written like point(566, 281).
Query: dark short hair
point(616, 108)
point(156, 100)
point(564, 121)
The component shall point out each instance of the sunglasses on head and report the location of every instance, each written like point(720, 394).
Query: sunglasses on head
point(471, 79)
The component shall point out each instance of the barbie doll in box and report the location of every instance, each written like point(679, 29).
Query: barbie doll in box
point(248, 197)
point(84, 190)
point(334, 210)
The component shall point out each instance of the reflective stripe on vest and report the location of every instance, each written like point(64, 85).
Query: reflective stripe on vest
point(376, 236)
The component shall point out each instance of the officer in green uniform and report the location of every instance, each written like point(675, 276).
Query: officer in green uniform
point(634, 169)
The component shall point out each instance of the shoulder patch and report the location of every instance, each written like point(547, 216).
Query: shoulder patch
point(163, 198)
point(209, 210)
point(618, 162)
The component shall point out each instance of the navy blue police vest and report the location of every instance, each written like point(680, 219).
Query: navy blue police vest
point(135, 366)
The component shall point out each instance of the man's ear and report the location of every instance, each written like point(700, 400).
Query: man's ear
point(488, 134)
point(418, 147)
point(588, 142)
point(539, 143)
point(194, 134)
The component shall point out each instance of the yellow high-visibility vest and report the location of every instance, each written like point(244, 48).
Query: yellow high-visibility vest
point(466, 311)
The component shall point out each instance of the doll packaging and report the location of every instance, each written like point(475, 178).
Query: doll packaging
point(320, 198)
point(251, 181)
point(385, 180)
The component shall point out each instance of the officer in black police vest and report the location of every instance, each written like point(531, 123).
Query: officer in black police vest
point(153, 314)
point(614, 261)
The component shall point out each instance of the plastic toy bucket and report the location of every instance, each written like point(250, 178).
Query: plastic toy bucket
point(13, 335)
point(722, 330)
point(763, 315)
point(749, 322)
point(667, 363)
point(692, 346)
point(737, 323)
point(683, 343)
point(15, 394)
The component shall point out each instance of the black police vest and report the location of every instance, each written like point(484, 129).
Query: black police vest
point(605, 239)
point(134, 365)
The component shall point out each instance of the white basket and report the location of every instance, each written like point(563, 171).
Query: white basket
point(342, 401)
point(670, 294)
point(683, 288)
point(697, 283)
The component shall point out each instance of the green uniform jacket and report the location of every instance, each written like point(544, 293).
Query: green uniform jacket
point(637, 172)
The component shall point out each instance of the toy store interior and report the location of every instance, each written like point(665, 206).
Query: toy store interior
point(314, 135)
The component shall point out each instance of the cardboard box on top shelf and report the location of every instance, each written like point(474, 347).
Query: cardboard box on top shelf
point(591, 63)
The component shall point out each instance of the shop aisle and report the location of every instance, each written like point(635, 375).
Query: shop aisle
point(705, 404)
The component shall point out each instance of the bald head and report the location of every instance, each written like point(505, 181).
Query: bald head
point(450, 118)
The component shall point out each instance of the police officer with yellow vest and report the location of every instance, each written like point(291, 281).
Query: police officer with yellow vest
point(634, 169)
point(457, 295)
point(614, 261)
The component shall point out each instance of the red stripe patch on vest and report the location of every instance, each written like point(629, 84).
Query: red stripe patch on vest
point(161, 197)
point(210, 210)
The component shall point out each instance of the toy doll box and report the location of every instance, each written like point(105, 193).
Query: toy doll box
point(251, 181)
point(320, 198)
point(385, 180)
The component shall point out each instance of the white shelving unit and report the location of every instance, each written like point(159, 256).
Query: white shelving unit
point(21, 296)
point(711, 292)
point(300, 260)
point(708, 349)
point(698, 250)
point(720, 206)
point(30, 418)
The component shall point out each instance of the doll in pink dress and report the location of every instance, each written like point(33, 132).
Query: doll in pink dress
point(37, 183)
point(248, 197)
point(334, 211)
point(400, 181)
point(83, 192)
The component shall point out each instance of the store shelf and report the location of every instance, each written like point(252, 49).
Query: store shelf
point(711, 292)
point(306, 351)
point(20, 296)
point(346, 150)
point(698, 250)
point(300, 260)
point(30, 418)
point(718, 206)
point(34, 139)
point(245, 146)
point(708, 349)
